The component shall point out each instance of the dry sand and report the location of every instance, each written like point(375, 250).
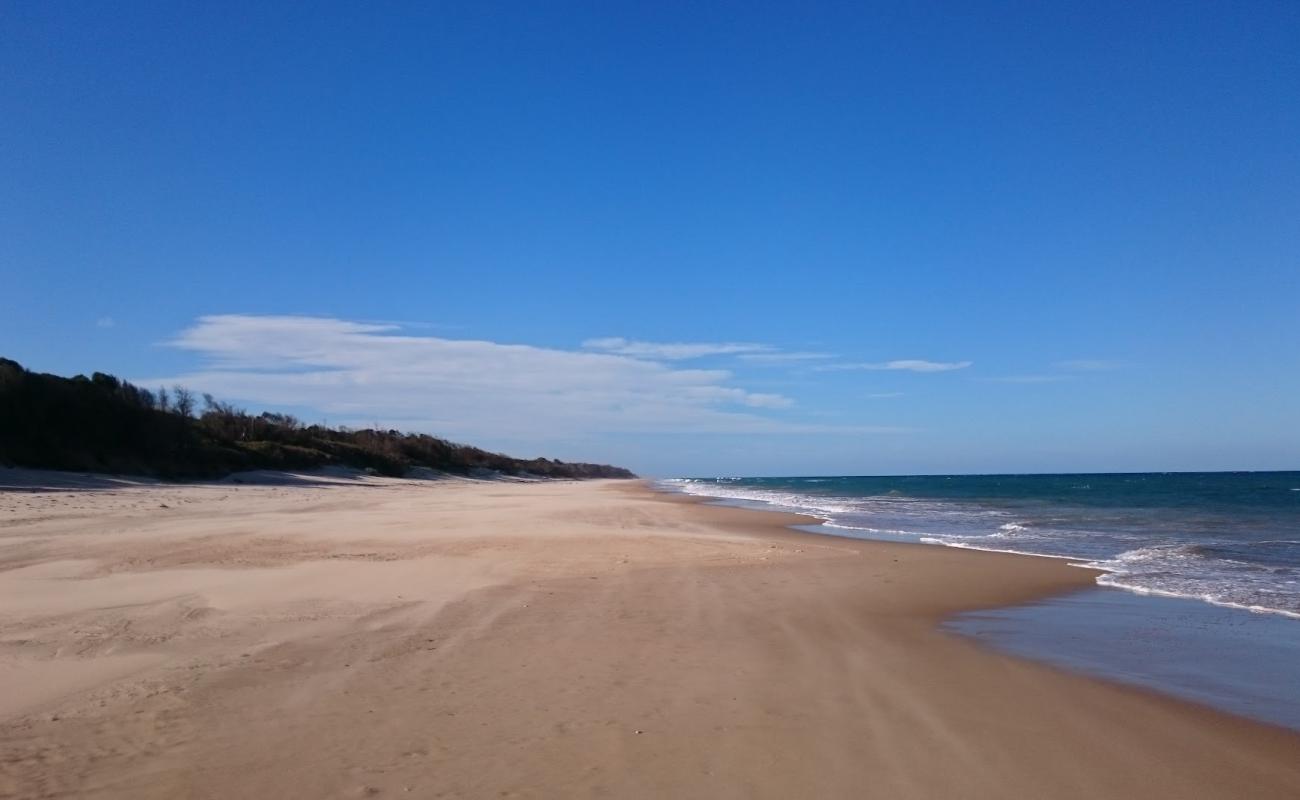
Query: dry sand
point(351, 638)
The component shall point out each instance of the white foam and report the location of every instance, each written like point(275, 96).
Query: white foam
point(1114, 582)
point(969, 546)
point(889, 531)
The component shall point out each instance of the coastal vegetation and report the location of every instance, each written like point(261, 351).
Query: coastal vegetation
point(104, 424)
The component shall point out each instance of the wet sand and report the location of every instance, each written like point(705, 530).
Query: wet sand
point(343, 637)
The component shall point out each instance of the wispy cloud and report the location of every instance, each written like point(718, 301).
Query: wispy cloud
point(782, 358)
point(105, 322)
point(1089, 365)
point(671, 351)
point(883, 395)
point(359, 372)
point(906, 364)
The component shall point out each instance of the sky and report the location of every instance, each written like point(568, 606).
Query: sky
point(688, 238)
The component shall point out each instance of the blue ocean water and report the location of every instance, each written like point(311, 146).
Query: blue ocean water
point(1228, 538)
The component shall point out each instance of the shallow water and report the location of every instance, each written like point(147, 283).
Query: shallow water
point(1243, 663)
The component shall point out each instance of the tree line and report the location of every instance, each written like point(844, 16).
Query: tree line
point(105, 424)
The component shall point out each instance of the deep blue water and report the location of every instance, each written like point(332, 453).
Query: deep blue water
point(1229, 538)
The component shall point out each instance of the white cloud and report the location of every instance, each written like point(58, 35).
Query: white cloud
point(670, 351)
point(883, 395)
point(105, 322)
point(782, 358)
point(357, 373)
point(907, 364)
point(727, 394)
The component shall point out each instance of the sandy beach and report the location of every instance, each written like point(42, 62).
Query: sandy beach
point(351, 637)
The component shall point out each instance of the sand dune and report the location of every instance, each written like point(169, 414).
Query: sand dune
point(350, 637)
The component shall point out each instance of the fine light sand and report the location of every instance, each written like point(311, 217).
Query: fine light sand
point(340, 637)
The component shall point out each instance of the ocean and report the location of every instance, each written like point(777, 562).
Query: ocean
point(1227, 538)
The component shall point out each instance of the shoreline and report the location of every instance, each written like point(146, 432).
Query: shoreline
point(1032, 629)
point(794, 521)
point(577, 639)
point(1113, 571)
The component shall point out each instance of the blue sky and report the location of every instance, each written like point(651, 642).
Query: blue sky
point(890, 238)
